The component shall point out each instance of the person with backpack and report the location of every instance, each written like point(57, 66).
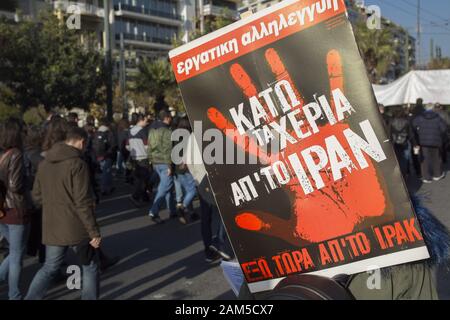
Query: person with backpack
point(14, 208)
point(430, 130)
point(138, 150)
point(105, 148)
point(401, 135)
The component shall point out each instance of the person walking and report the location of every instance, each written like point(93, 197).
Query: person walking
point(186, 184)
point(14, 209)
point(401, 136)
point(122, 153)
point(105, 147)
point(440, 110)
point(160, 149)
point(430, 129)
point(32, 158)
point(62, 186)
point(137, 146)
point(214, 245)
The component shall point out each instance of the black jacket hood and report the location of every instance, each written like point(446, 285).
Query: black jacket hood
point(61, 152)
point(430, 115)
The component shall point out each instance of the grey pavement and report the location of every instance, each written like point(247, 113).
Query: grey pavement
point(167, 261)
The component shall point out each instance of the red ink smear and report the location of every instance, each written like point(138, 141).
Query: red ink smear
point(249, 221)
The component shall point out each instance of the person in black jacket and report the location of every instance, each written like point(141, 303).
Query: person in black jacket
point(430, 130)
point(402, 135)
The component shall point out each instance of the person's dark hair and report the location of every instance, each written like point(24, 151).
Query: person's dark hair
point(34, 137)
point(134, 117)
point(11, 134)
point(163, 114)
point(123, 125)
point(56, 132)
point(90, 120)
point(419, 102)
point(184, 124)
point(72, 117)
point(75, 134)
point(104, 122)
point(140, 117)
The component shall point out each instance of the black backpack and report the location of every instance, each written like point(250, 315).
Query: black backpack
point(101, 143)
point(399, 131)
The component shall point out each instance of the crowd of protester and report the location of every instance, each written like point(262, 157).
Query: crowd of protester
point(53, 175)
point(421, 139)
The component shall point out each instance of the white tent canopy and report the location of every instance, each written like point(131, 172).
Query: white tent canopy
point(432, 86)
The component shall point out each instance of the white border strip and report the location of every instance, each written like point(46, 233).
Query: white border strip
point(391, 259)
point(211, 36)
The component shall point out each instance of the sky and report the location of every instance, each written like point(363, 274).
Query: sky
point(435, 21)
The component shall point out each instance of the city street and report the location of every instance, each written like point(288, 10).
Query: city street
point(167, 261)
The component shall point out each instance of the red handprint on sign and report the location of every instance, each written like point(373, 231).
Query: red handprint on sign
point(327, 213)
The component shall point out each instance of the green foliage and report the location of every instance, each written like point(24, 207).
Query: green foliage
point(377, 48)
point(45, 64)
point(7, 111)
point(154, 77)
point(35, 115)
point(172, 97)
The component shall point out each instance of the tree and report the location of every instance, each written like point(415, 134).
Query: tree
point(35, 115)
point(173, 99)
point(45, 64)
point(154, 77)
point(377, 49)
point(439, 63)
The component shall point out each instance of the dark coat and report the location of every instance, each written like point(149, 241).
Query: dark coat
point(63, 188)
point(12, 173)
point(430, 129)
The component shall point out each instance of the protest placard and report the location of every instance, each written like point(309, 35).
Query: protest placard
point(320, 190)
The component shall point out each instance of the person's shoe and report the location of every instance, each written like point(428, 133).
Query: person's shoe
point(222, 254)
point(104, 265)
point(156, 220)
point(182, 215)
point(211, 256)
point(427, 181)
point(182, 220)
point(439, 178)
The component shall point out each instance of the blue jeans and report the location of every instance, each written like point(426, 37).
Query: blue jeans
point(53, 260)
point(11, 267)
point(120, 163)
point(165, 191)
point(106, 179)
point(178, 189)
point(188, 186)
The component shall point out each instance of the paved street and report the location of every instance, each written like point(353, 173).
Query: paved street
point(167, 261)
point(157, 261)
